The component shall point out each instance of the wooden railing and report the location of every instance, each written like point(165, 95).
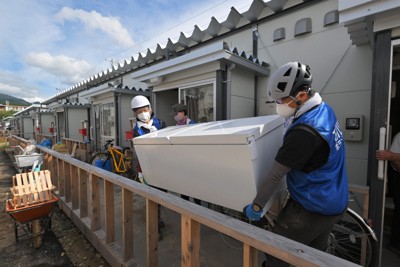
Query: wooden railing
point(92, 197)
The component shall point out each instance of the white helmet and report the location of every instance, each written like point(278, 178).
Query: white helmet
point(289, 79)
point(139, 101)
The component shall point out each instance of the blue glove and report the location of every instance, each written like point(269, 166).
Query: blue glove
point(251, 214)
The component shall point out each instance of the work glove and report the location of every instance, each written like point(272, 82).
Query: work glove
point(251, 214)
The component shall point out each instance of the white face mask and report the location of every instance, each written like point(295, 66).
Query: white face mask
point(144, 116)
point(177, 117)
point(284, 110)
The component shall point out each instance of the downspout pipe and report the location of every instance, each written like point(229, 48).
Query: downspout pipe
point(229, 70)
point(255, 56)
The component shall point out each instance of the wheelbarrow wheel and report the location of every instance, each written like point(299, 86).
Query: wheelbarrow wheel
point(37, 233)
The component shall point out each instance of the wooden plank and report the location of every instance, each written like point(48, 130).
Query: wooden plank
point(74, 186)
point(61, 177)
point(74, 147)
point(127, 225)
point(39, 186)
point(67, 181)
point(50, 185)
point(190, 239)
point(21, 191)
point(94, 188)
point(27, 188)
point(45, 188)
point(250, 256)
point(33, 187)
point(109, 219)
point(83, 203)
point(152, 233)
point(46, 193)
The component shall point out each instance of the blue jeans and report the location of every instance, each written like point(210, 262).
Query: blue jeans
point(296, 223)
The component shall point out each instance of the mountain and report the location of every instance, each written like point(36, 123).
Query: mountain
point(13, 100)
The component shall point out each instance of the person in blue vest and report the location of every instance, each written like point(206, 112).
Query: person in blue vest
point(312, 157)
point(145, 120)
point(146, 123)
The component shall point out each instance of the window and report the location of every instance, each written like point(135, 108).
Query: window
point(200, 101)
point(108, 120)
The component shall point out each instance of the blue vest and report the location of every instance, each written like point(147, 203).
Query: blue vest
point(324, 190)
point(140, 131)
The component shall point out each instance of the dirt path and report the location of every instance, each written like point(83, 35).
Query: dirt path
point(63, 246)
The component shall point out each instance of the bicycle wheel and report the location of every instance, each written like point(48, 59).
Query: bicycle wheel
point(352, 239)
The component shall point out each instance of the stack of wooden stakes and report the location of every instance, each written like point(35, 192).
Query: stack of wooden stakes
point(29, 192)
point(31, 188)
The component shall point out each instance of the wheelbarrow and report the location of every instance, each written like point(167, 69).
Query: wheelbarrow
point(31, 205)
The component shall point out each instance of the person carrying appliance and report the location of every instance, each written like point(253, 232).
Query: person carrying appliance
point(312, 157)
point(146, 123)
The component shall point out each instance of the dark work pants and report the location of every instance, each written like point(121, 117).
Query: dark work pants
point(296, 223)
point(394, 192)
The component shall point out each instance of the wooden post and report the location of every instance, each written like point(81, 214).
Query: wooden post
point(95, 223)
point(74, 186)
point(83, 203)
point(67, 181)
point(37, 233)
point(109, 218)
point(61, 177)
point(190, 242)
point(127, 225)
point(250, 256)
point(152, 233)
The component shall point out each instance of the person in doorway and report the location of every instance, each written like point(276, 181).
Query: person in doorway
point(146, 123)
point(393, 155)
point(179, 111)
point(312, 157)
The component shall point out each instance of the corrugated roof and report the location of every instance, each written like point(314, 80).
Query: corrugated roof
point(172, 49)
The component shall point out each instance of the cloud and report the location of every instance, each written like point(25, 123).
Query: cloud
point(68, 70)
point(94, 20)
point(15, 85)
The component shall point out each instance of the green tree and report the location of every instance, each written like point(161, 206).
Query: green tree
point(5, 114)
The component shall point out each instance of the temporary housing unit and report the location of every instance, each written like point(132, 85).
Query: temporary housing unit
point(111, 113)
point(70, 114)
point(44, 122)
point(215, 82)
point(25, 121)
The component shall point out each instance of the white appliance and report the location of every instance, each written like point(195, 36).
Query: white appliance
point(219, 162)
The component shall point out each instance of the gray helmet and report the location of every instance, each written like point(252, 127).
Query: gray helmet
point(288, 79)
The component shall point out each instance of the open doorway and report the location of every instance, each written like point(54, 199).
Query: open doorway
point(164, 100)
point(389, 255)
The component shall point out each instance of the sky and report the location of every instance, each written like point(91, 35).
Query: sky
point(51, 45)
